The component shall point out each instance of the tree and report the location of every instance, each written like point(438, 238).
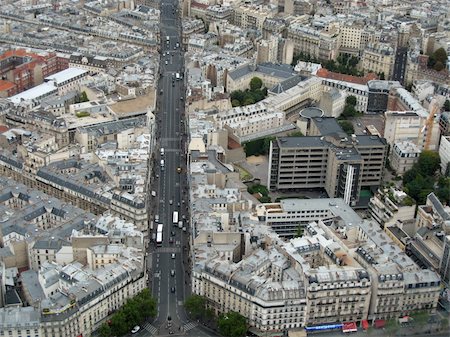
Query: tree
point(232, 324)
point(420, 318)
point(440, 55)
point(429, 162)
point(350, 100)
point(438, 66)
point(248, 101)
point(347, 127)
point(83, 97)
point(295, 134)
point(300, 230)
point(255, 83)
point(392, 326)
point(105, 330)
point(235, 103)
point(349, 111)
point(444, 324)
point(447, 105)
point(196, 306)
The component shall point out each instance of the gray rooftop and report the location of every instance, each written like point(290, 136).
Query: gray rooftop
point(282, 71)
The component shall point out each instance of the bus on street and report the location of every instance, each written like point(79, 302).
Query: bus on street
point(175, 218)
point(159, 235)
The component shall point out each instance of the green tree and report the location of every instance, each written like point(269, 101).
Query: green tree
point(255, 83)
point(409, 175)
point(248, 101)
point(104, 330)
point(349, 111)
point(300, 230)
point(447, 105)
point(429, 162)
point(83, 97)
point(347, 127)
point(443, 190)
point(232, 324)
point(392, 327)
point(196, 306)
point(235, 103)
point(297, 133)
point(438, 66)
point(382, 76)
point(444, 324)
point(350, 100)
point(440, 55)
point(420, 318)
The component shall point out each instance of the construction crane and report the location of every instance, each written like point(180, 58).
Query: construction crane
point(429, 126)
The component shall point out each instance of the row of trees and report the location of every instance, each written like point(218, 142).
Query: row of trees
point(258, 146)
point(348, 113)
point(253, 95)
point(422, 179)
point(344, 64)
point(137, 309)
point(231, 324)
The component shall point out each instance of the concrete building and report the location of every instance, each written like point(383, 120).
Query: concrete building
point(332, 102)
point(270, 74)
point(379, 94)
point(390, 206)
point(252, 16)
point(433, 214)
point(379, 59)
point(316, 44)
point(444, 154)
point(403, 156)
point(332, 161)
point(444, 270)
point(67, 80)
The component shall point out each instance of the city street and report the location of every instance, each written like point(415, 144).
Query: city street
point(167, 262)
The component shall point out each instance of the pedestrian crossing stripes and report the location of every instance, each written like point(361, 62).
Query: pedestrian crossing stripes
point(150, 328)
point(168, 250)
point(189, 326)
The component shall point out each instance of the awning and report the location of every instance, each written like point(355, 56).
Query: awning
point(379, 323)
point(349, 327)
point(365, 324)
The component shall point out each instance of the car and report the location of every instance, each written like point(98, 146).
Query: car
point(173, 256)
point(171, 240)
point(136, 329)
point(172, 272)
point(178, 204)
point(172, 290)
point(170, 202)
point(169, 318)
point(178, 169)
point(167, 62)
point(172, 233)
point(173, 84)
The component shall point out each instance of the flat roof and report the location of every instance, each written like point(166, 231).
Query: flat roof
point(65, 75)
point(36, 92)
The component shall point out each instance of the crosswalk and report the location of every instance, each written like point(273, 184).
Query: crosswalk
point(168, 250)
point(190, 326)
point(151, 329)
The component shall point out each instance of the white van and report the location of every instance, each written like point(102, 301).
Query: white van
point(180, 224)
point(162, 163)
point(162, 151)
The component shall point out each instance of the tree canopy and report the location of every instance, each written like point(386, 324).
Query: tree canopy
point(447, 105)
point(196, 306)
point(255, 83)
point(232, 324)
point(347, 127)
point(258, 146)
point(438, 59)
point(135, 311)
point(350, 100)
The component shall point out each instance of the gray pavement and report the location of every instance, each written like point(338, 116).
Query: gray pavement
point(169, 289)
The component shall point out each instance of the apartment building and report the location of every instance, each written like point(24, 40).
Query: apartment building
point(379, 59)
point(351, 38)
point(251, 121)
point(252, 16)
point(444, 269)
point(21, 70)
point(262, 288)
point(444, 154)
point(403, 156)
point(341, 165)
point(390, 206)
point(20, 321)
point(316, 44)
point(433, 214)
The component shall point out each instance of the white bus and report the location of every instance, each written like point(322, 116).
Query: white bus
point(175, 218)
point(159, 235)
